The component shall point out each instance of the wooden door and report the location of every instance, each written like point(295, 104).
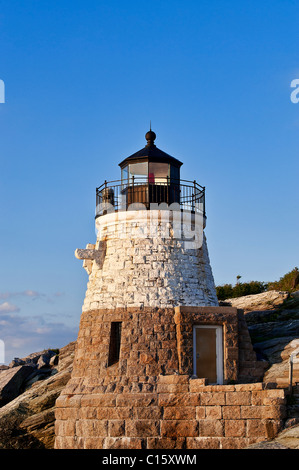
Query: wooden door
point(208, 353)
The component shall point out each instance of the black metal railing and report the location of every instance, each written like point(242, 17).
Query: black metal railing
point(144, 193)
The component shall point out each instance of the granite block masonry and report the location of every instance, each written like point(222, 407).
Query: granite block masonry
point(158, 364)
point(138, 271)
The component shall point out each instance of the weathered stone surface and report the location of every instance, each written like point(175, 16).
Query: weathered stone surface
point(211, 428)
point(265, 301)
point(184, 413)
point(240, 362)
point(165, 443)
point(179, 428)
point(289, 438)
point(203, 443)
point(277, 340)
point(11, 381)
point(16, 362)
point(172, 419)
point(33, 358)
point(153, 270)
point(28, 420)
point(44, 359)
point(143, 396)
point(37, 429)
point(142, 428)
point(235, 428)
point(268, 445)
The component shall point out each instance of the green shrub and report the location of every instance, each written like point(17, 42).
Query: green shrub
point(289, 282)
point(224, 292)
point(227, 291)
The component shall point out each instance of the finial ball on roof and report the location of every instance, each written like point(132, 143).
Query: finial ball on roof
point(150, 137)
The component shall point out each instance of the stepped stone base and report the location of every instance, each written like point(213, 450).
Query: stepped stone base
point(179, 413)
point(149, 398)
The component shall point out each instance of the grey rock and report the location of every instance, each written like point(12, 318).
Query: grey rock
point(289, 437)
point(265, 301)
point(34, 357)
point(16, 362)
point(291, 422)
point(54, 360)
point(268, 445)
point(295, 295)
point(11, 382)
point(273, 348)
point(275, 329)
point(27, 422)
point(44, 359)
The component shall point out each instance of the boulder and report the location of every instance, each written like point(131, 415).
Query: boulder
point(275, 336)
point(266, 331)
point(286, 439)
point(38, 374)
point(265, 301)
point(289, 438)
point(16, 362)
point(11, 382)
point(23, 372)
point(27, 422)
point(44, 359)
point(54, 360)
point(278, 352)
point(267, 445)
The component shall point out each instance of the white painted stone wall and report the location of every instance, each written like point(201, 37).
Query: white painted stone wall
point(143, 267)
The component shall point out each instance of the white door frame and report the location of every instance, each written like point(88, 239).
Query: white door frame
point(219, 350)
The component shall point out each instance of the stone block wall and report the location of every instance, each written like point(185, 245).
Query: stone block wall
point(148, 398)
point(147, 267)
point(240, 364)
point(178, 413)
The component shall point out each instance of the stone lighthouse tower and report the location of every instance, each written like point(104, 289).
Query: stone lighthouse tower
point(151, 330)
point(150, 249)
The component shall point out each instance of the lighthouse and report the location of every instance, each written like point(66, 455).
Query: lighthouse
point(150, 249)
point(152, 336)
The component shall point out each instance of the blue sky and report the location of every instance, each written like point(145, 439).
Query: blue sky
point(82, 81)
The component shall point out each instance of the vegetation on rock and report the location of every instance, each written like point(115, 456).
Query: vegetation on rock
point(227, 291)
point(289, 283)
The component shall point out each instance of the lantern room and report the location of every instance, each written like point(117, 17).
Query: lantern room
point(150, 163)
point(150, 176)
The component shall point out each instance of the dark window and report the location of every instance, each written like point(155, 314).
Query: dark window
point(174, 174)
point(114, 347)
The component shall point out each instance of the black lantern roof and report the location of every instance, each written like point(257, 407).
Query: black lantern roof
point(150, 153)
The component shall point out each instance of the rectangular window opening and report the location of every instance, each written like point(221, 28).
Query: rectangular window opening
point(114, 346)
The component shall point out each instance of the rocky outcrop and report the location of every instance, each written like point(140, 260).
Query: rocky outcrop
point(273, 323)
point(40, 359)
point(289, 438)
point(275, 337)
point(22, 373)
point(286, 439)
point(28, 420)
point(11, 382)
point(264, 301)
